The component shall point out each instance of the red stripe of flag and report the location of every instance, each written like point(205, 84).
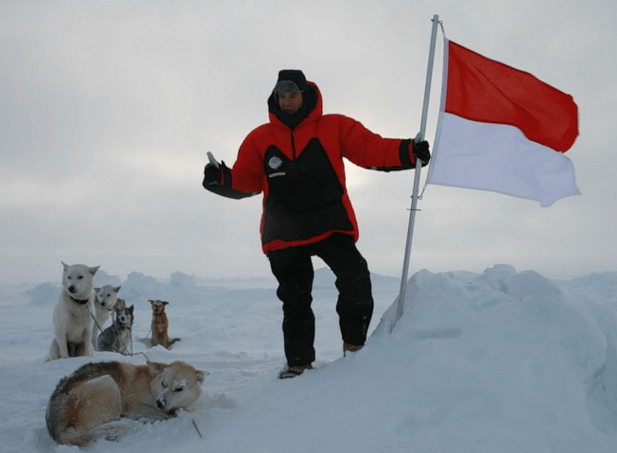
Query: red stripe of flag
point(484, 90)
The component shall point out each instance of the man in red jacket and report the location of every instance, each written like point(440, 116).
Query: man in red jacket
point(296, 160)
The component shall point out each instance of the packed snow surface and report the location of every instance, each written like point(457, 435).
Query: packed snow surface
point(498, 362)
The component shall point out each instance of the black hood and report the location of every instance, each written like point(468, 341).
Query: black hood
point(292, 120)
point(293, 75)
point(308, 92)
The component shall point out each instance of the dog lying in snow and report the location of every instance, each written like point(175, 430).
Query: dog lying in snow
point(88, 404)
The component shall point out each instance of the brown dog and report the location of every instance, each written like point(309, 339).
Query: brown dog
point(120, 304)
point(88, 404)
point(160, 325)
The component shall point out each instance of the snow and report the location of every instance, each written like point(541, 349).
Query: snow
point(502, 361)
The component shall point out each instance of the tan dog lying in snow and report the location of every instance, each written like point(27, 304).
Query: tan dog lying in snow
point(88, 404)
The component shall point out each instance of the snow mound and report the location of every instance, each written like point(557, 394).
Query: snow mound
point(501, 361)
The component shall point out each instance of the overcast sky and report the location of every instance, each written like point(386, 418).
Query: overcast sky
point(107, 110)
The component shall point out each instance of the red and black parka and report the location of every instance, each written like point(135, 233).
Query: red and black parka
point(299, 168)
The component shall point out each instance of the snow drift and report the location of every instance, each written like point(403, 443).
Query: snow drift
point(502, 361)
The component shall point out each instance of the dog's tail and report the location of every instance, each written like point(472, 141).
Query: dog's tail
point(172, 341)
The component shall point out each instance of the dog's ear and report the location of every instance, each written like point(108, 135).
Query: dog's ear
point(165, 303)
point(156, 366)
point(201, 376)
point(64, 265)
point(131, 308)
point(97, 289)
point(117, 288)
point(93, 269)
point(151, 302)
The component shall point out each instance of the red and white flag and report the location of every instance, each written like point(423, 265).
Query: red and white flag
point(503, 130)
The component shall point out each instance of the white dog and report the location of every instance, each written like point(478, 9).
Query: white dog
point(73, 321)
point(105, 301)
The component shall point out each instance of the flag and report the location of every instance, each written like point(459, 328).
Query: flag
point(503, 130)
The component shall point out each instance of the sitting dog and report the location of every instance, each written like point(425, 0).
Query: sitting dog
point(160, 325)
point(88, 404)
point(105, 301)
point(117, 337)
point(120, 304)
point(73, 322)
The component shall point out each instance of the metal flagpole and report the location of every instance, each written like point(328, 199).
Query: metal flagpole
point(416, 183)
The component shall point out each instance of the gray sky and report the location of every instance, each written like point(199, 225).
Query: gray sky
point(109, 107)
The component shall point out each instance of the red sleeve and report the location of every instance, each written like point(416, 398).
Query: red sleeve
point(369, 150)
point(247, 172)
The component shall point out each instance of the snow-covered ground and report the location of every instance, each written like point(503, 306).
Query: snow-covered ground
point(502, 361)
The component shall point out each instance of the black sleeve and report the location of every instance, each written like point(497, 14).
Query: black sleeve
point(403, 151)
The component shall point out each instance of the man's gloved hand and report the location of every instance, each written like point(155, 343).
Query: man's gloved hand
point(421, 151)
point(212, 175)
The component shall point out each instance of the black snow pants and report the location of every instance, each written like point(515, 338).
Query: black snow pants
point(293, 268)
